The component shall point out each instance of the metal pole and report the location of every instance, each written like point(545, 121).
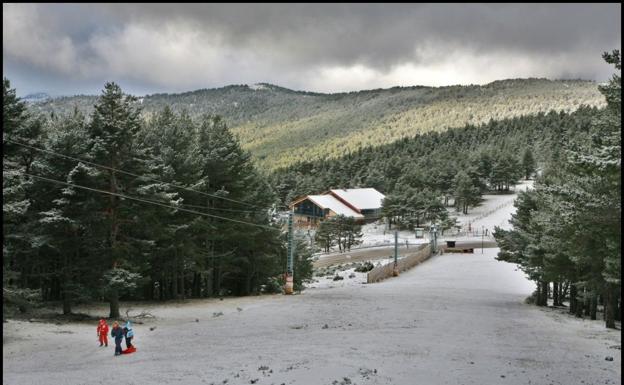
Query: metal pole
point(395, 270)
point(288, 287)
point(396, 245)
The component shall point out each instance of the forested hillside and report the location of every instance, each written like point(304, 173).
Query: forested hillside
point(491, 154)
point(280, 126)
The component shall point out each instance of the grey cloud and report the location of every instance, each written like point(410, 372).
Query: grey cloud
point(386, 33)
point(182, 46)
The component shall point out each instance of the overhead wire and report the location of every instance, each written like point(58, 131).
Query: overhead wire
point(148, 201)
point(127, 172)
point(225, 209)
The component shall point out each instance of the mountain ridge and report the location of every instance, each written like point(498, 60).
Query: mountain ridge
point(280, 126)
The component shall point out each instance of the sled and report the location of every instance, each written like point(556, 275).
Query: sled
point(129, 350)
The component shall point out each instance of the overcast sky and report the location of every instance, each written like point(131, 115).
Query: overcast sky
point(66, 49)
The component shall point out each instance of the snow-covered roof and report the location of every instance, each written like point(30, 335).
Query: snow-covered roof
point(361, 198)
point(330, 202)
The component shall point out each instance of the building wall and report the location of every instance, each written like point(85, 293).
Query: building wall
point(308, 214)
point(305, 221)
point(371, 214)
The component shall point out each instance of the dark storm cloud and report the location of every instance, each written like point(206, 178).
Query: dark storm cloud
point(325, 47)
point(379, 34)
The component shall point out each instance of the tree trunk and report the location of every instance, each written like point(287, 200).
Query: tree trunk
point(66, 303)
point(161, 287)
point(548, 292)
point(572, 298)
point(587, 302)
point(114, 298)
point(248, 276)
point(182, 284)
point(555, 292)
point(593, 306)
point(539, 301)
point(538, 293)
point(66, 294)
point(194, 285)
point(579, 306)
point(209, 285)
point(114, 305)
point(610, 306)
point(174, 282)
point(217, 280)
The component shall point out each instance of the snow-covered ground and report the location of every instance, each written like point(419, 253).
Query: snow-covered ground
point(377, 234)
point(456, 319)
point(324, 277)
point(495, 210)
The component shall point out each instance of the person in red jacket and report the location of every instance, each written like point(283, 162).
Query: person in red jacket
point(102, 332)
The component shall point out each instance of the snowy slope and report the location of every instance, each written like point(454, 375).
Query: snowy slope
point(456, 319)
point(496, 210)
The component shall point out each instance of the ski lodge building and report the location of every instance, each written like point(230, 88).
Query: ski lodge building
point(363, 204)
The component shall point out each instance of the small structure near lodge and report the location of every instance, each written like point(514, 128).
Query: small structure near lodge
point(363, 204)
point(451, 248)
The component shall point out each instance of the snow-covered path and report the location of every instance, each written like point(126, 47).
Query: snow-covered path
point(456, 319)
point(495, 210)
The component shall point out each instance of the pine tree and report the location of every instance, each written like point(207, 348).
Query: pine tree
point(528, 163)
point(466, 193)
point(325, 235)
point(113, 131)
point(21, 192)
point(70, 229)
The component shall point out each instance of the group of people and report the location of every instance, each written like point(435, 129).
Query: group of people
point(118, 334)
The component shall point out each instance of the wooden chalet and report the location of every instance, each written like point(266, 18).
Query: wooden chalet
point(363, 204)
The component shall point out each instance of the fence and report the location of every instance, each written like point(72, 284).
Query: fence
point(414, 258)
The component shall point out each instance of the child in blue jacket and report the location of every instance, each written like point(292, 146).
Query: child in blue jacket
point(129, 334)
point(117, 333)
